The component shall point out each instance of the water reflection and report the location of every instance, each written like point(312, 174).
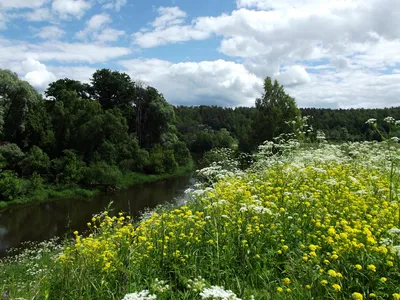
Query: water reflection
point(44, 221)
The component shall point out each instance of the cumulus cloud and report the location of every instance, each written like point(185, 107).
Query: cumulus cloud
point(97, 30)
point(94, 24)
point(50, 33)
point(68, 8)
point(192, 83)
point(295, 75)
point(167, 28)
point(37, 74)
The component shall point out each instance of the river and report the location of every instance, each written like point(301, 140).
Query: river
point(39, 222)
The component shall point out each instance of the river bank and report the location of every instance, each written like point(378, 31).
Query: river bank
point(51, 192)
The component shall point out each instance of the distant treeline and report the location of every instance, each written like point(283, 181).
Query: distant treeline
point(339, 125)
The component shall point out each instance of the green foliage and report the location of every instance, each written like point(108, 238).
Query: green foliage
point(68, 168)
point(35, 161)
point(12, 156)
point(274, 109)
point(10, 186)
point(17, 98)
point(181, 153)
point(156, 163)
point(100, 173)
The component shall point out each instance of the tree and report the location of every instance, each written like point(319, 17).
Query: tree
point(153, 116)
point(274, 109)
point(17, 98)
point(112, 89)
point(56, 88)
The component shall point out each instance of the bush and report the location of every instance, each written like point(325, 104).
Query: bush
point(11, 186)
point(169, 162)
point(12, 155)
point(69, 168)
point(35, 161)
point(181, 153)
point(100, 173)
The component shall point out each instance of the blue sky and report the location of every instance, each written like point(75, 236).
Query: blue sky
point(338, 54)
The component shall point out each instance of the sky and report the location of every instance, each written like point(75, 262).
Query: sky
point(326, 53)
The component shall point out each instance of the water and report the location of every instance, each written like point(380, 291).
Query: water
point(39, 222)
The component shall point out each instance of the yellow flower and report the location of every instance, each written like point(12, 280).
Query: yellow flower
point(337, 287)
point(358, 267)
point(396, 296)
point(324, 282)
point(372, 295)
point(288, 290)
point(76, 232)
point(357, 296)
point(279, 290)
point(383, 279)
point(308, 287)
point(371, 268)
point(332, 273)
point(286, 281)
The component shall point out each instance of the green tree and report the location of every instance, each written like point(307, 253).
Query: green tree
point(55, 89)
point(274, 109)
point(35, 161)
point(17, 98)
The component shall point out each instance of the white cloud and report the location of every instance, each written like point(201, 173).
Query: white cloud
point(295, 75)
point(114, 4)
point(18, 4)
point(11, 51)
point(39, 14)
point(109, 35)
point(168, 28)
point(191, 83)
point(67, 8)
point(97, 30)
point(50, 33)
point(37, 74)
point(169, 16)
point(95, 23)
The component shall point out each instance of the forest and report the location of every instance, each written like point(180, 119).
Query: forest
point(115, 132)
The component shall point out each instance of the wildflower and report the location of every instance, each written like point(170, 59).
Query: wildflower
point(143, 295)
point(76, 232)
point(332, 273)
point(286, 281)
point(324, 282)
point(372, 295)
point(383, 279)
point(371, 268)
point(358, 267)
point(396, 296)
point(279, 290)
point(357, 296)
point(336, 287)
point(371, 121)
point(308, 287)
point(219, 293)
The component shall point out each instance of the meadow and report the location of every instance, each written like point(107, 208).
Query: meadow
point(315, 222)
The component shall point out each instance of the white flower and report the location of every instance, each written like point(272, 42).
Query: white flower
point(371, 121)
point(143, 295)
point(389, 120)
point(394, 231)
point(217, 292)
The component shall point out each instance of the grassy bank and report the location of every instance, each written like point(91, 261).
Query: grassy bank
point(50, 192)
point(308, 224)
